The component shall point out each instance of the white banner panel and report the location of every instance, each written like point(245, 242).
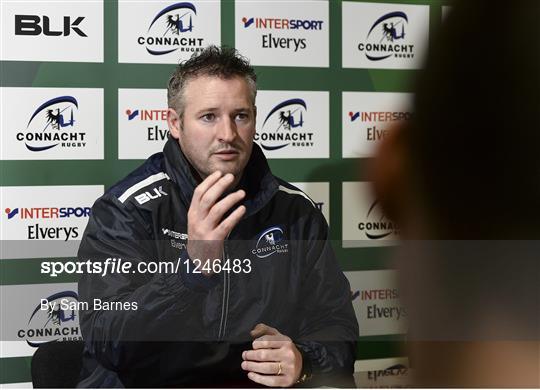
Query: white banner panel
point(384, 36)
point(276, 33)
point(320, 193)
point(368, 117)
point(20, 385)
point(142, 122)
point(52, 123)
point(44, 30)
point(166, 32)
point(364, 223)
point(375, 298)
point(45, 213)
point(293, 124)
point(25, 323)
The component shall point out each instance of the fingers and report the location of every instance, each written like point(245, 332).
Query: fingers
point(282, 367)
point(268, 344)
point(274, 360)
point(230, 222)
point(267, 380)
point(206, 231)
point(262, 330)
point(204, 214)
point(201, 189)
point(273, 337)
point(220, 208)
point(262, 355)
point(268, 368)
point(212, 194)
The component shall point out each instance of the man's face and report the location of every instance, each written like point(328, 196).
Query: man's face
point(217, 129)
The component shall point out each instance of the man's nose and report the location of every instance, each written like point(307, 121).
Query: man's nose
point(226, 131)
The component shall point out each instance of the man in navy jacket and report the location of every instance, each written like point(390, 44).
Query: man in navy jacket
point(256, 295)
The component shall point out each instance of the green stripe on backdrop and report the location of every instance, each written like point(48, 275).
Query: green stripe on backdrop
point(28, 271)
point(227, 20)
point(17, 74)
point(380, 347)
point(15, 370)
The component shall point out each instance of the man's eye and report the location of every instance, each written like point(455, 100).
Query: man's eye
point(241, 116)
point(208, 117)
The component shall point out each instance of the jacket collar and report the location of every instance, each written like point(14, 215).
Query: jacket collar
point(258, 182)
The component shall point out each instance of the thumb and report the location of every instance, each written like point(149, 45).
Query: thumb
point(262, 330)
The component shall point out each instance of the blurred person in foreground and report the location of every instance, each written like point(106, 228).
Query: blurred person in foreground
point(256, 297)
point(462, 180)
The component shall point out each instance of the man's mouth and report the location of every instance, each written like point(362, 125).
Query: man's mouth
point(228, 154)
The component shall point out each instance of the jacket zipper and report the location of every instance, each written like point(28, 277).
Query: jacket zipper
point(226, 289)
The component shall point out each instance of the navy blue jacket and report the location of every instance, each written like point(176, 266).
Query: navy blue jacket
point(190, 330)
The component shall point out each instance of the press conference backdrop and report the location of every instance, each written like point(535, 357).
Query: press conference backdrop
point(83, 103)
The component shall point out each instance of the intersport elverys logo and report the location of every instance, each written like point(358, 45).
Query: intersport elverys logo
point(38, 220)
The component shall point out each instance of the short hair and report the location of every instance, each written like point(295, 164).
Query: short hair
point(475, 135)
point(223, 62)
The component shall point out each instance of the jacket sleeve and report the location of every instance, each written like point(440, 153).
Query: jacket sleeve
point(328, 329)
point(132, 342)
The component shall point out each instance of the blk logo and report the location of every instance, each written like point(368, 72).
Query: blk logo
point(149, 195)
point(354, 115)
point(35, 25)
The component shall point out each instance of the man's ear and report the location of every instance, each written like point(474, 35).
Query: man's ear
point(174, 122)
point(388, 173)
point(254, 120)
